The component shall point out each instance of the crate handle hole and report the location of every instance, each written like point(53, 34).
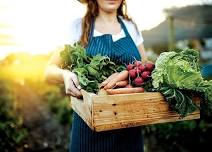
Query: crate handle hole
point(115, 113)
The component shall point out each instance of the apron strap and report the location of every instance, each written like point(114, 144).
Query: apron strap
point(91, 31)
point(123, 27)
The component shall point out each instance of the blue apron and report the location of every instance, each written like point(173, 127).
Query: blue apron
point(83, 139)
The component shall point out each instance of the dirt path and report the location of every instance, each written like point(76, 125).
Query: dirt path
point(45, 133)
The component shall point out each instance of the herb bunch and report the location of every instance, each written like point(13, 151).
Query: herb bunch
point(91, 71)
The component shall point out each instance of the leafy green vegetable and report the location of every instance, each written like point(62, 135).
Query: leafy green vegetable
point(179, 100)
point(90, 70)
point(180, 71)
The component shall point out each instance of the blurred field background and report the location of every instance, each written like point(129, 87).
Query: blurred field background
point(36, 116)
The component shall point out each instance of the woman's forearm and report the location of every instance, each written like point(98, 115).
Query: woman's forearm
point(54, 74)
point(142, 53)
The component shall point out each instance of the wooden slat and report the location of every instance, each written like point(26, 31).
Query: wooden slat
point(84, 108)
point(126, 124)
point(107, 112)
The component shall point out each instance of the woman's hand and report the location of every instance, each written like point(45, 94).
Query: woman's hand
point(115, 79)
point(71, 83)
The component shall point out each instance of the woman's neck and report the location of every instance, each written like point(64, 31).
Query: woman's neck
point(107, 23)
point(106, 17)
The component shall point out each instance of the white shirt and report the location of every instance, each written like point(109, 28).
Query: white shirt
point(75, 32)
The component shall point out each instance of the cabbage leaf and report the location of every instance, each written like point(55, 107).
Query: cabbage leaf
point(181, 71)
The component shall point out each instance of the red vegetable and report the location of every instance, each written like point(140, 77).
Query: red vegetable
point(137, 63)
point(142, 68)
point(130, 67)
point(138, 71)
point(145, 74)
point(149, 66)
point(132, 73)
point(138, 81)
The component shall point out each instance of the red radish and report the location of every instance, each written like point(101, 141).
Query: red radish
point(138, 81)
point(137, 63)
point(142, 68)
point(137, 70)
point(145, 74)
point(132, 73)
point(149, 66)
point(130, 67)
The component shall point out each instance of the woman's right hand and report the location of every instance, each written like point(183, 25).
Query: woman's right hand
point(71, 83)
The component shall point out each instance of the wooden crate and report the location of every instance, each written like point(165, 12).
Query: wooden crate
point(109, 112)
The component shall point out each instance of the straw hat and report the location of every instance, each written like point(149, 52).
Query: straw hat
point(83, 1)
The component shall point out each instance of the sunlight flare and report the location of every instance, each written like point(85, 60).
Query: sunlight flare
point(40, 26)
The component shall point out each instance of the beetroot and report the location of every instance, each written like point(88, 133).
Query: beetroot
point(139, 73)
point(142, 68)
point(130, 67)
point(133, 73)
point(137, 63)
point(137, 70)
point(149, 66)
point(145, 74)
point(138, 81)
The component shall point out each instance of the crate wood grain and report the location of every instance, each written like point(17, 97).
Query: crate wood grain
point(109, 112)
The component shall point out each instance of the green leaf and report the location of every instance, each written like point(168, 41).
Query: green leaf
point(180, 70)
point(90, 70)
point(179, 101)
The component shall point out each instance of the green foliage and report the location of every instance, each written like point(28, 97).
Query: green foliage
point(11, 125)
point(176, 71)
point(59, 105)
point(90, 70)
point(183, 136)
point(179, 100)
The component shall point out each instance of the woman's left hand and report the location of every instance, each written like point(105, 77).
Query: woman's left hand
point(112, 81)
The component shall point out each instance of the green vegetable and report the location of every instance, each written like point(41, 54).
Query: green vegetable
point(179, 73)
point(179, 100)
point(90, 70)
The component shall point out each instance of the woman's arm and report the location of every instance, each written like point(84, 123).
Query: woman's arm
point(53, 73)
point(142, 52)
point(56, 75)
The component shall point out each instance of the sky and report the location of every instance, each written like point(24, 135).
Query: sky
point(40, 26)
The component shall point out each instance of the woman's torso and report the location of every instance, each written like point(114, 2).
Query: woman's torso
point(121, 51)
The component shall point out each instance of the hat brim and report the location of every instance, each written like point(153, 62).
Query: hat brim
point(83, 1)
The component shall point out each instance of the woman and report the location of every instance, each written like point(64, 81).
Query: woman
point(105, 29)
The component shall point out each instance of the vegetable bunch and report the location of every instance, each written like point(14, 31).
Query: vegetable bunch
point(177, 75)
point(91, 71)
point(139, 74)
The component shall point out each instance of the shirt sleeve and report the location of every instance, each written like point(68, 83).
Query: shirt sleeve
point(74, 31)
point(134, 33)
point(139, 39)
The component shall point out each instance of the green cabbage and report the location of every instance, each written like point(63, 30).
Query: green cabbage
point(181, 71)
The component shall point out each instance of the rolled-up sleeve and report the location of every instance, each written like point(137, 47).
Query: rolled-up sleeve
point(74, 31)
